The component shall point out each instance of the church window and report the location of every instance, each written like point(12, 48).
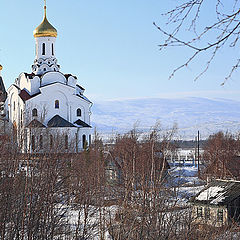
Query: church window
point(84, 141)
point(66, 142)
point(51, 141)
point(41, 142)
point(14, 106)
point(33, 142)
point(34, 112)
point(43, 49)
point(79, 112)
point(44, 69)
point(90, 139)
point(57, 104)
point(52, 49)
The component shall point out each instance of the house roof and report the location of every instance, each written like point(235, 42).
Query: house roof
point(218, 192)
point(35, 124)
point(58, 121)
point(81, 123)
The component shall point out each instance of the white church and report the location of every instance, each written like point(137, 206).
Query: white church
point(47, 108)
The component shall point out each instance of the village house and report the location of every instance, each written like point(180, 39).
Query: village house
point(218, 204)
point(114, 168)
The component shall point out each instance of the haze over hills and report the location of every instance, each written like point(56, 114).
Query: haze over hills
point(190, 114)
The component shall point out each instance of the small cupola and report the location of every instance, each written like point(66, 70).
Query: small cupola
point(45, 29)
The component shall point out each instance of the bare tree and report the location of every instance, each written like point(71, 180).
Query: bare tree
point(223, 30)
point(220, 153)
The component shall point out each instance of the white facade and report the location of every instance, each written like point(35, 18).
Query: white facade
point(45, 60)
point(47, 108)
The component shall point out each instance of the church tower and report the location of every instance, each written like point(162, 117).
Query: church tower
point(48, 108)
point(45, 36)
point(3, 95)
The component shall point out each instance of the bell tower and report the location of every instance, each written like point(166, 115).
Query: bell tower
point(45, 36)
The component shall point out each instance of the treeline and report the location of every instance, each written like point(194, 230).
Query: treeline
point(105, 192)
point(189, 143)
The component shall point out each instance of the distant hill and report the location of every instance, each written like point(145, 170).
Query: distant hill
point(190, 114)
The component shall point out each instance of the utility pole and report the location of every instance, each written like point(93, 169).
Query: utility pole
point(198, 152)
point(195, 152)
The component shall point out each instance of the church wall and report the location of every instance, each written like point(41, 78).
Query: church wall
point(24, 82)
point(85, 109)
point(72, 81)
point(68, 104)
point(74, 136)
point(53, 77)
point(35, 85)
point(48, 41)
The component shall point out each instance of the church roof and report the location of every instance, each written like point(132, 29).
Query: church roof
point(45, 29)
point(3, 93)
point(35, 124)
point(81, 123)
point(80, 87)
point(83, 97)
point(24, 95)
point(58, 121)
point(69, 75)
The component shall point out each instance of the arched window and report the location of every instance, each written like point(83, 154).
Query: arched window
point(51, 141)
point(14, 106)
point(44, 69)
point(66, 142)
point(79, 112)
point(90, 139)
point(52, 49)
point(41, 142)
point(84, 141)
point(57, 104)
point(34, 112)
point(33, 142)
point(21, 114)
point(43, 49)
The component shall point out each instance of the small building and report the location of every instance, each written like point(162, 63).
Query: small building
point(218, 204)
point(114, 168)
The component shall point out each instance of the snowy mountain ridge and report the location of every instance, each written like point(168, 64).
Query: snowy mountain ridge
point(190, 114)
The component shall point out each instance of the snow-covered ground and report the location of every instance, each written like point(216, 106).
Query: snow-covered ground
point(185, 181)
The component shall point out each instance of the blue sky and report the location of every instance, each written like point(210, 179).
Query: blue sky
point(112, 46)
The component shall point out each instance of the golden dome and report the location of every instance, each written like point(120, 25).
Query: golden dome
point(45, 29)
point(1, 67)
